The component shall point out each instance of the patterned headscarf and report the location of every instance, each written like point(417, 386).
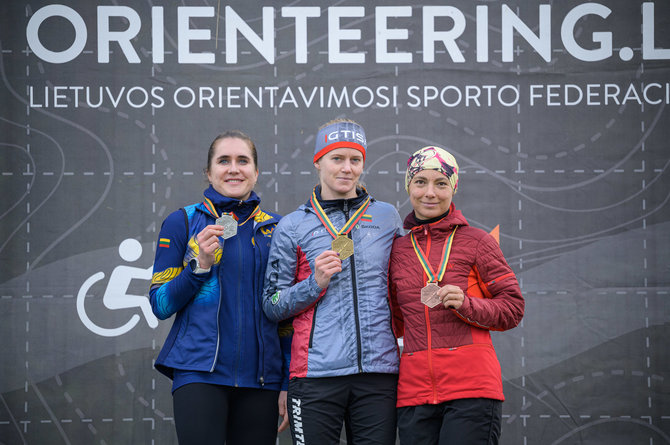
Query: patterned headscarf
point(432, 158)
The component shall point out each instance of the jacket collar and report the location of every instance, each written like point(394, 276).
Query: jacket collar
point(445, 223)
point(340, 203)
point(242, 209)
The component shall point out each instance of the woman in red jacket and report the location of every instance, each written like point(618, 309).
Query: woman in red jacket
point(450, 286)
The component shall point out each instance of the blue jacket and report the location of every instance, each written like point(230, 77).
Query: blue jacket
point(346, 328)
point(194, 342)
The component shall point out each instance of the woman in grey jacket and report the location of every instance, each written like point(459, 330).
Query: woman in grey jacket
point(327, 269)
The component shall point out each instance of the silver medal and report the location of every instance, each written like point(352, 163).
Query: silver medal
point(229, 225)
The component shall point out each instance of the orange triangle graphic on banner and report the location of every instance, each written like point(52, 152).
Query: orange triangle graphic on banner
point(495, 233)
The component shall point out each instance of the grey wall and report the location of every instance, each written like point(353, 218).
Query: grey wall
point(578, 186)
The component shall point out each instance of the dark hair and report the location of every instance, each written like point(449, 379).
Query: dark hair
point(232, 134)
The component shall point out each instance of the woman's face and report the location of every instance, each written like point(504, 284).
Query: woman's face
point(430, 193)
point(339, 171)
point(232, 171)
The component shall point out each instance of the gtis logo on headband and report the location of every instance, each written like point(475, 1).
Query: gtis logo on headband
point(345, 135)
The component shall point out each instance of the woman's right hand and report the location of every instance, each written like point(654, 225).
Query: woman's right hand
point(326, 265)
point(208, 242)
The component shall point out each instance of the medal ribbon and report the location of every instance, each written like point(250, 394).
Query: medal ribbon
point(256, 211)
point(321, 214)
point(423, 259)
point(209, 205)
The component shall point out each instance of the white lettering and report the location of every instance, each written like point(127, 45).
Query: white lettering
point(541, 43)
point(430, 35)
point(603, 38)
point(384, 34)
point(265, 45)
point(185, 34)
point(649, 50)
point(300, 14)
point(32, 33)
point(157, 31)
point(344, 37)
point(336, 34)
point(105, 36)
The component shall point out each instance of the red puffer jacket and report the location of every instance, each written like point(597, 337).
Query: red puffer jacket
point(448, 354)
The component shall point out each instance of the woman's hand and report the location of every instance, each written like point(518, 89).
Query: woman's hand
point(283, 411)
point(326, 265)
point(451, 296)
point(208, 242)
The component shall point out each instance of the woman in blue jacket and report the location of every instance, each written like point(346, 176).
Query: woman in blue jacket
point(328, 273)
point(223, 354)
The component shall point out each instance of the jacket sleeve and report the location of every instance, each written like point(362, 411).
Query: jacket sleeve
point(502, 306)
point(285, 330)
point(397, 322)
point(290, 287)
point(172, 285)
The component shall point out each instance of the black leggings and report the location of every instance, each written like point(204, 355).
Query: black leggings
point(215, 414)
point(461, 421)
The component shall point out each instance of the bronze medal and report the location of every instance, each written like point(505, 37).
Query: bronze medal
point(429, 295)
point(229, 225)
point(344, 246)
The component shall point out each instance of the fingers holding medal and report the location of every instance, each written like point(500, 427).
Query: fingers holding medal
point(451, 296)
point(208, 242)
point(327, 264)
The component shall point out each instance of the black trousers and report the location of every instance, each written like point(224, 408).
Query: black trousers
point(457, 422)
point(318, 407)
point(207, 414)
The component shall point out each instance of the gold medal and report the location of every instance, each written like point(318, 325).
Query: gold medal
point(229, 224)
point(344, 246)
point(429, 295)
point(341, 243)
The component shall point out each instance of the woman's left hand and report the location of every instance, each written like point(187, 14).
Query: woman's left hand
point(283, 411)
point(451, 296)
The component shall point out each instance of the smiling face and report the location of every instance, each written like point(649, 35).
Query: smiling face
point(232, 171)
point(430, 193)
point(339, 171)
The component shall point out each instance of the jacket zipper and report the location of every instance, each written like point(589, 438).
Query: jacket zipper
point(311, 331)
point(239, 313)
point(354, 289)
point(429, 335)
point(261, 343)
point(218, 325)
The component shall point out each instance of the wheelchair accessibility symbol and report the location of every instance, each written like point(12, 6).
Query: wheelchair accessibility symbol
point(116, 294)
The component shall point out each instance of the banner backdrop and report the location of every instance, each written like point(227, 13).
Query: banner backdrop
point(555, 111)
